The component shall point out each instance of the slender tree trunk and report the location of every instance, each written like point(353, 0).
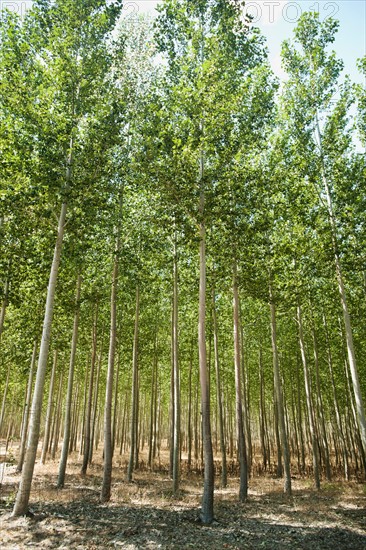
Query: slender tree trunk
point(5, 302)
point(70, 383)
point(95, 404)
point(279, 398)
point(134, 390)
point(354, 418)
point(245, 394)
point(176, 429)
point(300, 423)
point(26, 409)
point(115, 405)
point(54, 417)
point(107, 471)
point(219, 394)
point(190, 434)
point(87, 436)
point(243, 490)
point(75, 419)
point(22, 499)
point(321, 414)
point(207, 512)
point(279, 468)
point(336, 404)
point(2, 413)
point(152, 401)
point(344, 302)
point(83, 414)
point(314, 442)
point(58, 416)
point(47, 428)
point(262, 414)
point(171, 404)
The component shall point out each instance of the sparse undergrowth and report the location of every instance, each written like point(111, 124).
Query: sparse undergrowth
point(145, 514)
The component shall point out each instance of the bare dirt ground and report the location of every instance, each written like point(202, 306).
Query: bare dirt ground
point(144, 514)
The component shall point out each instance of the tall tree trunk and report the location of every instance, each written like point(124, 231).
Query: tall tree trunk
point(320, 408)
point(134, 390)
point(70, 383)
point(219, 394)
point(152, 401)
point(58, 415)
point(279, 398)
point(207, 512)
point(2, 413)
point(354, 417)
point(87, 438)
point(189, 428)
point(344, 302)
point(245, 394)
point(243, 490)
point(263, 424)
point(47, 428)
point(176, 430)
point(83, 414)
point(22, 499)
point(5, 302)
point(95, 403)
point(107, 470)
point(309, 404)
point(172, 396)
point(115, 405)
point(336, 404)
point(23, 439)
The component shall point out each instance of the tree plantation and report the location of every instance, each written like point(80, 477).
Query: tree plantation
point(183, 274)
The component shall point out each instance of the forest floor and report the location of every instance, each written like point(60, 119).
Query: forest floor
point(145, 514)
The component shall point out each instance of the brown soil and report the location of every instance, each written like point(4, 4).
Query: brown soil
point(144, 514)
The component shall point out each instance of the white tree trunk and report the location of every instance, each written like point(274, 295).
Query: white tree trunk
point(176, 428)
point(22, 499)
point(47, 428)
point(309, 404)
point(107, 469)
point(23, 439)
point(279, 398)
point(70, 383)
point(243, 490)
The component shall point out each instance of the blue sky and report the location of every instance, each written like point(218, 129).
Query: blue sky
point(277, 19)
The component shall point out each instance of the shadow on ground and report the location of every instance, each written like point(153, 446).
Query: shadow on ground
point(85, 523)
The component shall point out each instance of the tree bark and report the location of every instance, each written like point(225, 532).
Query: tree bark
point(243, 464)
point(279, 398)
point(70, 382)
point(336, 404)
point(134, 390)
point(5, 302)
point(207, 512)
point(263, 422)
point(344, 302)
point(153, 401)
point(3, 404)
point(87, 436)
point(95, 404)
point(219, 394)
point(320, 409)
point(47, 428)
point(107, 470)
point(309, 404)
point(176, 429)
point(27, 409)
point(23, 494)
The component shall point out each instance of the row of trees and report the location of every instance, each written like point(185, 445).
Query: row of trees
point(155, 178)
